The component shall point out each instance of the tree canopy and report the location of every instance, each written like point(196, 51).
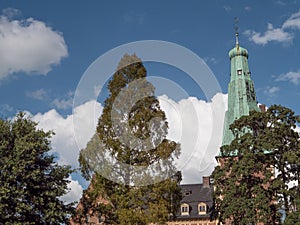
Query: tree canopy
point(31, 180)
point(257, 179)
point(129, 156)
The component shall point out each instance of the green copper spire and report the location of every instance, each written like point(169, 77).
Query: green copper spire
point(241, 93)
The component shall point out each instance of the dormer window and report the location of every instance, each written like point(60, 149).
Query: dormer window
point(239, 72)
point(185, 209)
point(187, 193)
point(202, 208)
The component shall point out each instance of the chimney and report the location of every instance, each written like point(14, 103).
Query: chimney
point(262, 107)
point(206, 182)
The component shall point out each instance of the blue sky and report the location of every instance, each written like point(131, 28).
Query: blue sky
point(46, 46)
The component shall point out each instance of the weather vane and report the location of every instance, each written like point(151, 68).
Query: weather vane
point(236, 28)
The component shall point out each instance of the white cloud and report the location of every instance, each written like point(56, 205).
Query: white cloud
point(64, 103)
point(247, 8)
point(64, 142)
point(29, 46)
point(282, 34)
point(293, 77)
point(227, 8)
point(210, 60)
point(197, 124)
point(5, 109)
point(271, 91)
point(279, 2)
point(11, 12)
point(70, 137)
point(272, 34)
point(75, 192)
point(292, 22)
point(39, 94)
point(97, 89)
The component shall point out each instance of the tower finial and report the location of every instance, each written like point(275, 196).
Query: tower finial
point(236, 28)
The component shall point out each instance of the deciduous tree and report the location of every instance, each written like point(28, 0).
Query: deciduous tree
point(31, 181)
point(259, 172)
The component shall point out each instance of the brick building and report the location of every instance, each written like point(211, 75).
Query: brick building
point(197, 201)
point(196, 204)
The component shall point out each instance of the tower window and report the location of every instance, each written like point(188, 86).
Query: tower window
point(239, 72)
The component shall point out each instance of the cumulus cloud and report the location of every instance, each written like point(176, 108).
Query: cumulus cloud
point(227, 8)
point(272, 34)
point(97, 89)
point(196, 124)
point(39, 94)
point(64, 142)
point(281, 34)
point(293, 77)
point(247, 8)
point(210, 60)
point(11, 12)
point(271, 91)
point(293, 21)
point(29, 46)
point(5, 109)
point(68, 141)
point(75, 192)
point(64, 103)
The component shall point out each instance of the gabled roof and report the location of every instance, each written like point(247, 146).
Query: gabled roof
point(193, 194)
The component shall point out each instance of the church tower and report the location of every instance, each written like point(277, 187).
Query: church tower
point(241, 93)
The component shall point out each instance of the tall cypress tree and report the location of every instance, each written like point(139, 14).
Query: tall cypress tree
point(247, 189)
point(130, 157)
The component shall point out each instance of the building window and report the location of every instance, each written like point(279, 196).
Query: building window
point(185, 209)
point(202, 208)
point(187, 193)
point(87, 218)
point(239, 72)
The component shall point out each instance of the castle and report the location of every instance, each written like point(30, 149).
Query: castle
point(197, 201)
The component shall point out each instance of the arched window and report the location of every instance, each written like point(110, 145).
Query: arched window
point(185, 209)
point(202, 208)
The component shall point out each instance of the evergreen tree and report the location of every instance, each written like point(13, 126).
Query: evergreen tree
point(130, 157)
point(253, 182)
point(31, 181)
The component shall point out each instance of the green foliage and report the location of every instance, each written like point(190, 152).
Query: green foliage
point(31, 182)
point(130, 157)
point(247, 189)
